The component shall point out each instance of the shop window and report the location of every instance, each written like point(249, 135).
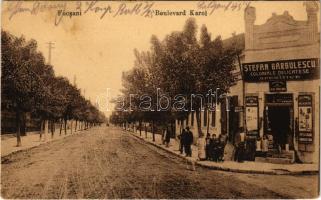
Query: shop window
point(187, 120)
point(205, 117)
point(213, 118)
point(192, 118)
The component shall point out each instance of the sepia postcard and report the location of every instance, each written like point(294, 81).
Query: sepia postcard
point(160, 99)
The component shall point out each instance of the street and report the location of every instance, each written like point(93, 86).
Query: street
point(106, 162)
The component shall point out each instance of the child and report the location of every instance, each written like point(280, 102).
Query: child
point(265, 145)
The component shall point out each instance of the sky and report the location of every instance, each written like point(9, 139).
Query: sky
point(97, 50)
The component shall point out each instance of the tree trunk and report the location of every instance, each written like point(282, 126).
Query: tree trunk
point(173, 129)
point(18, 120)
point(65, 126)
point(140, 128)
point(145, 131)
point(198, 122)
point(52, 125)
point(71, 122)
point(76, 126)
point(41, 129)
point(23, 125)
point(45, 129)
point(61, 122)
point(153, 131)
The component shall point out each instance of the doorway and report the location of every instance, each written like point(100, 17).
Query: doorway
point(280, 125)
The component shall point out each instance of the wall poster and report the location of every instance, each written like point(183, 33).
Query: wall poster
point(305, 119)
point(251, 113)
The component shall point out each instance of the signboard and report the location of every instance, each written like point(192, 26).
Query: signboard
point(237, 76)
point(238, 109)
point(299, 69)
point(305, 100)
point(251, 112)
point(277, 99)
point(305, 119)
point(277, 86)
point(252, 134)
point(251, 101)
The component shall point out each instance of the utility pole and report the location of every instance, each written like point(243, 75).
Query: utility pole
point(46, 122)
point(50, 47)
point(243, 92)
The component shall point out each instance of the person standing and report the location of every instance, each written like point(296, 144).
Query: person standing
point(181, 138)
point(265, 145)
point(213, 147)
point(201, 145)
point(188, 142)
point(221, 147)
point(240, 148)
point(207, 146)
point(167, 137)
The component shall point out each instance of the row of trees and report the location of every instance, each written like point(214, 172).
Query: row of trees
point(29, 85)
point(179, 64)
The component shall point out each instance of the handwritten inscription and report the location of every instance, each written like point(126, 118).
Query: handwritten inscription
point(15, 8)
point(102, 9)
point(212, 6)
point(93, 7)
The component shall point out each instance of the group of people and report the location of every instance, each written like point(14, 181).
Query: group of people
point(248, 149)
point(214, 147)
point(186, 140)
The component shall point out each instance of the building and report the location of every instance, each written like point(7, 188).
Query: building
point(276, 92)
point(281, 79)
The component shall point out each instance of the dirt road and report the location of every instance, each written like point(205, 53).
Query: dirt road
point(108, 163)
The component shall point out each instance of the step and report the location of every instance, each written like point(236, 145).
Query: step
point(283, 154)
point(274, 160)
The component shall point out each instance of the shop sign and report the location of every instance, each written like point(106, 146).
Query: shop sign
point(305, 119)
point(277, 86)
point(305, 100)
point(251, 113)
point(238, 109)
point(298, 69)
point(251, 101)
point(252, 134)
point(275, 99)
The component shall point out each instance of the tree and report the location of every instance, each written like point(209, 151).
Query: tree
point(29, 85)
point(20, 81)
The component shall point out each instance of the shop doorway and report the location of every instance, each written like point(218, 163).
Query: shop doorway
point(280, 125)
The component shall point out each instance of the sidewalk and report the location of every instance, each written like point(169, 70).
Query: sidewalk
point(245, 167)
point(32, 139)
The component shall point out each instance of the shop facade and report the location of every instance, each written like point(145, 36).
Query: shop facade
point(281, 82)
point(277, 87)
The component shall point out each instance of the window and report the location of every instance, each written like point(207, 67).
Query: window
point(205, 117)
point(213, 118)
point(187, 122)
point(192, 120)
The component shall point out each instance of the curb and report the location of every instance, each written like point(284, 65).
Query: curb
point(200, 164)
point(160, 147)
point(3, 157)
